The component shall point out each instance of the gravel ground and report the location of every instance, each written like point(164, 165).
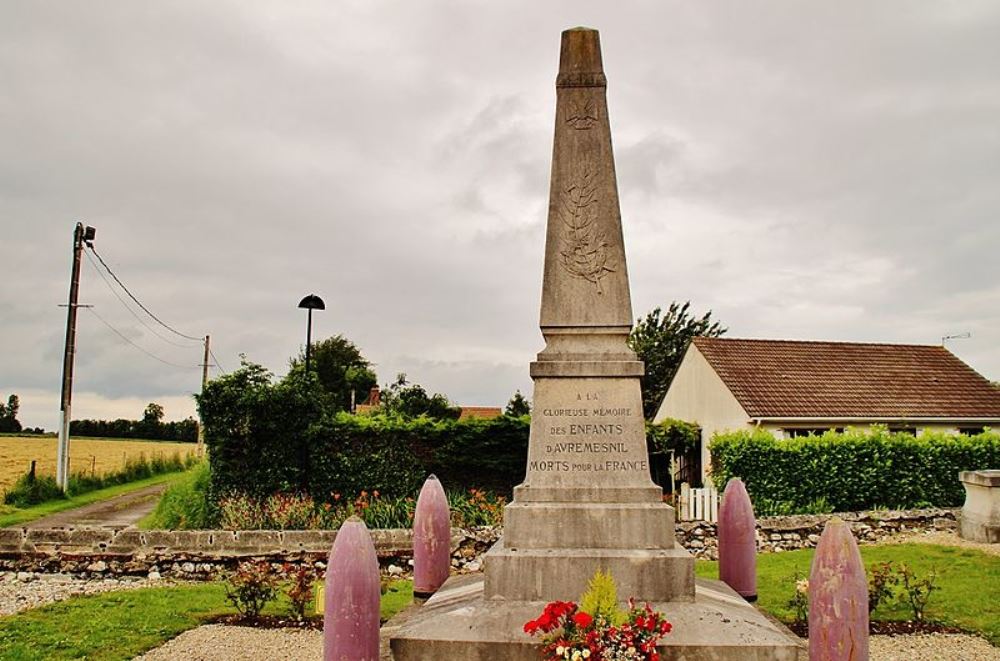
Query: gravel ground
point(218, 642)
point(25, 590)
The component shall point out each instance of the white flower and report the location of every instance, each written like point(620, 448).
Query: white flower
point(576, 655)
point(586, 654)
point(560, 650)
point(802, 585)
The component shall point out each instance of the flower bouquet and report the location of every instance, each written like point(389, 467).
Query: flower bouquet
point(571, 634)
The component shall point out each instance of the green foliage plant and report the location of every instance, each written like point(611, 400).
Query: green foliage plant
point(299, 589)
point(660, 340)
point(917, 591)
point(799, 603)
point(31, 489)
point(601, 599)
point(339, 368)
point(251, 587)
point(674, 435)
point(851, 470)
point(882, 577)
point(185, 505)
point(518, 405)
point(8, 415)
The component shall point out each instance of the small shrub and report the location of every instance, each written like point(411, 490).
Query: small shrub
point(601, 599)
point(917, 591)
point(251, 587)
point(289, 512)
point(241, 512)
point(799, 603)
point(882, 577)
point(475, 508)
point(186, 504)
point(299, 590)
point(32, 489)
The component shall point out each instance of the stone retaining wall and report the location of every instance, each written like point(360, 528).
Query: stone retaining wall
point(205, 553)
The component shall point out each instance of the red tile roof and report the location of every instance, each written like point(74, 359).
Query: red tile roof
point(785, 378)
point(485, 412)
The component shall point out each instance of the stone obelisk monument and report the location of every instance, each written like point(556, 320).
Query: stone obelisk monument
point(587, 502)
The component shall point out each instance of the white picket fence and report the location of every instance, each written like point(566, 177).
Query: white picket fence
point(698, 504)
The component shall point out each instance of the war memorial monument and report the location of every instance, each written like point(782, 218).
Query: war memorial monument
point(587, 502)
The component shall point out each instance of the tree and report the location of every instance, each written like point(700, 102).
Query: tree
point(8, 415)
point(660, 341)
point(518, 406)
point(411, 400)
point(340, 368)
point(153, 415)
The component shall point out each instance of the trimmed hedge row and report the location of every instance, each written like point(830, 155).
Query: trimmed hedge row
point(266, 437)
point(853, 470)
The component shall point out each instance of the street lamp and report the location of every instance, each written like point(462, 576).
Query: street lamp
point(310, 302)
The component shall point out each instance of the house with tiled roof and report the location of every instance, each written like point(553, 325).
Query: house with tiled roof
point(793, 388)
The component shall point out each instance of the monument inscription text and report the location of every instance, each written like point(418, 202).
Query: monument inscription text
point(588, 436)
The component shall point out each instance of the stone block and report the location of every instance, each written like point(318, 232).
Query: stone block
point(980, 518)
point(589, 524)
point(11, 539)
point(547, 574)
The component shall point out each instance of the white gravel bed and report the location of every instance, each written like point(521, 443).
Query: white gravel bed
point(220, 642)
point(23, 590)
point(217, 642)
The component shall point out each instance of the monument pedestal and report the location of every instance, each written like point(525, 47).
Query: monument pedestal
point(587, 503)
point(460, 624)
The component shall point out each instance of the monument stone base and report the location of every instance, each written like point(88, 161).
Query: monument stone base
point(460, 624)
point(980, 520)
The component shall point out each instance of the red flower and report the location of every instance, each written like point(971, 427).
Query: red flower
point(583, 620)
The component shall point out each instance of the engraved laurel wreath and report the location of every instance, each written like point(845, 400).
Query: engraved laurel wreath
point(584, 247)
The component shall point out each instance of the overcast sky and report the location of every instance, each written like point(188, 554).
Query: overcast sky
point(804, 170)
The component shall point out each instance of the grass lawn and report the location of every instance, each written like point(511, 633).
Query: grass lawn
point(969, 582)
point(13, 516)
point(118, 626)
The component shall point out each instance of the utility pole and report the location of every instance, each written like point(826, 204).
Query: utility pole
point(204, 382)
point(81, 235)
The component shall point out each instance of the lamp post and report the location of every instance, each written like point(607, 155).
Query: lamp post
point(310, 302)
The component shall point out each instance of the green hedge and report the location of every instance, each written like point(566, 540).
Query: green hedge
point(267, 436)
point(853, 470)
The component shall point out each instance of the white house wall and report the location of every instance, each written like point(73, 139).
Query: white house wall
point(698, 395)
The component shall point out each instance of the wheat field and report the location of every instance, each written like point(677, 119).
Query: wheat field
point(85, 454)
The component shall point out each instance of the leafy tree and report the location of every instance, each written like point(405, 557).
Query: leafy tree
point(660, 341)
point(339, 366)
point(153, 415)
point(518, 405)
point(8, 415)
point(410, 400)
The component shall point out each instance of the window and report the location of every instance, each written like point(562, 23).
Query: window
point(795, 432)
point(971, 431)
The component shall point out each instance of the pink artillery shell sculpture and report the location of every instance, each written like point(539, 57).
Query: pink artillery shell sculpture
point(738, 540)
point(431, 539)
point(838, 598)
point(353, 590)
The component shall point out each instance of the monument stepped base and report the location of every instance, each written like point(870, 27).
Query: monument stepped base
point(459, 624)
point(564, 574)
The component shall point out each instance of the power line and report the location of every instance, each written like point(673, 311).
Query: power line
point(217, 363)
point(122, 336)
point(137, 302)
point(129, 308)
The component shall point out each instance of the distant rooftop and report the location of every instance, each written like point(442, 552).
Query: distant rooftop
point(797, 379)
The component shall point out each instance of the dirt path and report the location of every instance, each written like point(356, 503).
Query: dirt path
point(118, 512)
